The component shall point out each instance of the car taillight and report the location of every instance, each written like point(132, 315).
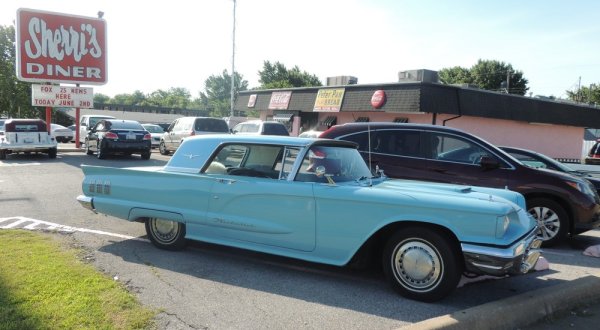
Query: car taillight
point(147, 137)
point(111, 135)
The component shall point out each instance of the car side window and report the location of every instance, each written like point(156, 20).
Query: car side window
point(455, 149)
point(250, 160)
point(398, 142)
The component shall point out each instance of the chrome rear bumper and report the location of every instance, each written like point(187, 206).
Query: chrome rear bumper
point(519, 258)
point(87, 202)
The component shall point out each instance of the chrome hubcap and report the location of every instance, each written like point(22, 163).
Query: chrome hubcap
point(417, 265)
point(164, 230)
point(547, 221)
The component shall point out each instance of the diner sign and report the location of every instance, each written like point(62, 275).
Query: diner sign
point(60, 48)
point(329, 100)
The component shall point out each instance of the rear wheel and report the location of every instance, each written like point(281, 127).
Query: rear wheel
point(422, 264)
point(166, 234)
point(2, 154)
point(146, 155)
point(552, 220)
point(52, 153)
point(87, 147)
point(163, 148)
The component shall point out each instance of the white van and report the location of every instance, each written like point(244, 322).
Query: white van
point(189, 126)
point(86, 123)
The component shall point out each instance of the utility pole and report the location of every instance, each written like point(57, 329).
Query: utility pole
point(233, 61)
point(508, 82)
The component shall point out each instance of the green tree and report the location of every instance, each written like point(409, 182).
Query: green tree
point(101, 98)
point(589, 94)
point(137, 98)
point(278, 76)
point(15, 95)
point(487, 74)
point(217, 93)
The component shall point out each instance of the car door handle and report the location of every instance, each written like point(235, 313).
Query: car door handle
point(226, 181)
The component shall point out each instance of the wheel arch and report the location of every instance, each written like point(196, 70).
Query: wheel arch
point(561, 201)
point(372, 249)
point(142, 214)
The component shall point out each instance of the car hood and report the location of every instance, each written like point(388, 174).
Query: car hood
point(433, 190)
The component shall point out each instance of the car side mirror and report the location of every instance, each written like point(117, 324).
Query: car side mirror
point(489, 163)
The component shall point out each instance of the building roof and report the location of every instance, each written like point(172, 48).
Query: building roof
point(423, 97)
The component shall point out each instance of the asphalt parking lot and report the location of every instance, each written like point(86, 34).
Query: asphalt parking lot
point(262, 291)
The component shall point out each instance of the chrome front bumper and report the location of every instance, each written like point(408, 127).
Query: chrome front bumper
point(519, 258)
point(87, 202)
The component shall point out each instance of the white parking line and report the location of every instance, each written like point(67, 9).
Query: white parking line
point(18, 164)
point(34, 224)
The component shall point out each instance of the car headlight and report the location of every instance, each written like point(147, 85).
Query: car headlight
point(502, 223)
point(583, 187)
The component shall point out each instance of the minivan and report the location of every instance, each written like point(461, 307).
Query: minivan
point(183, 127)
point(562, 204)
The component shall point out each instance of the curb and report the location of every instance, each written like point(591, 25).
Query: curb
point(518, 311)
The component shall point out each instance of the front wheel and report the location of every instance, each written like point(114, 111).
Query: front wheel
point(422, 264)
point(52, 153)
point(552, 220)
point(166, 234)
point(162, 148)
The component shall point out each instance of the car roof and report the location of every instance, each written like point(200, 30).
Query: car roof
point(379, 125)
point(270, 139)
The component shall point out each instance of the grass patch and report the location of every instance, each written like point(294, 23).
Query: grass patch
point(44, 285)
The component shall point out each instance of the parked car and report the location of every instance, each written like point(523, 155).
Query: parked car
point(310, 134)
point(184, 127)
point(156, 132)
point(562, 204)
point(538, 160)
point(259, 127)
point(116, 136)
point(593, 156)
point(26, 136)
point(86, 122)
point(315, 200)
point(61, 133)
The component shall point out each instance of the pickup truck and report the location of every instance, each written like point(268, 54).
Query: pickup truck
point(26, 135)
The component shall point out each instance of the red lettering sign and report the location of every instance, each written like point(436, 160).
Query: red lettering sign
point(53, 47)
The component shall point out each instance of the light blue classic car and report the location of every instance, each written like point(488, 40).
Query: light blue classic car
point(316, 200)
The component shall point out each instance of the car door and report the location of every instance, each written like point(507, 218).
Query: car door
point(169, 135)
point(457, 159)
point(265, 211)
point(94, 135)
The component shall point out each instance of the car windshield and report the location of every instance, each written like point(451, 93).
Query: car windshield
point(338, 163)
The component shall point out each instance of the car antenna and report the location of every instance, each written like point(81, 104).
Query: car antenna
point(369, 152)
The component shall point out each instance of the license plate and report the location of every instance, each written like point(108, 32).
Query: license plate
point(130, 136)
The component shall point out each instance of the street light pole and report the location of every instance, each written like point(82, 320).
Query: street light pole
point(233, 61)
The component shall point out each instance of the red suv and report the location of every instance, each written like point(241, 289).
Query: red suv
point(562, 204)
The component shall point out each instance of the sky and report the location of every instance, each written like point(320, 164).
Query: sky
point(180, 43)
